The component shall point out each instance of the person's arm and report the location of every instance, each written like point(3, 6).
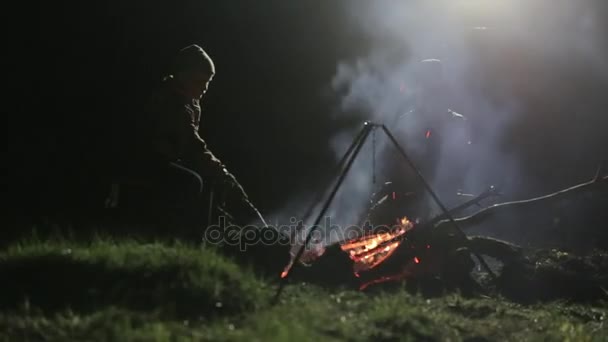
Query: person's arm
point(202, 159)
point(210, 167)
point(213, 167)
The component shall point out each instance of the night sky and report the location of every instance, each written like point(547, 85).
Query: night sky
point(80, 72)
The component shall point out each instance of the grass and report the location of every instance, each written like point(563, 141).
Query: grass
point(177, 279)
point(126, 290)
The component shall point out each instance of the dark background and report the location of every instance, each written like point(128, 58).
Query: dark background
point(84, 70)
point(78, 73)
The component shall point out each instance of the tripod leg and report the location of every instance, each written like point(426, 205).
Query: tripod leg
point(435, 198)
point(361, 141)
point(319, 196)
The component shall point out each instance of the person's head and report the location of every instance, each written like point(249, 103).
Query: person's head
point(193, 69)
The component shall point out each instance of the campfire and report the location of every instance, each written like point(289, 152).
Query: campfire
point(371, 250)
point(366, 252)
point(405, 248)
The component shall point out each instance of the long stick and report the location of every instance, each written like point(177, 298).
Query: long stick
point(483, 214)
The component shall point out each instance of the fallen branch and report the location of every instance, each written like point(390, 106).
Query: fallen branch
point(483, 214)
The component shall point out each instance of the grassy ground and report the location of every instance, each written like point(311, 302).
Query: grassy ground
point(132, 291)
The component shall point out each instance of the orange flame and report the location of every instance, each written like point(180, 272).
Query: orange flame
point(286, 269)
point(369, 251)
point(416, 260)
point(384, 280)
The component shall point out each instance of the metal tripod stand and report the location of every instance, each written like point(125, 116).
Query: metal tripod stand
point(344, 166)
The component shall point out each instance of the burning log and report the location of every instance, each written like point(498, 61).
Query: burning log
point(395, 239)
point(410, 251)
point(452, 250)
point(479, 216)
point(371, 250)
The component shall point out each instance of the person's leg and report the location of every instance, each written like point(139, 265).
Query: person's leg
point(183, 185)
point(183, 189)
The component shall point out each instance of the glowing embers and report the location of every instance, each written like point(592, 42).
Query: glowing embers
point(369, 251)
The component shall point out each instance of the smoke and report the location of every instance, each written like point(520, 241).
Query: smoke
point(516, 70)
point(502, 66)
point(384, 85)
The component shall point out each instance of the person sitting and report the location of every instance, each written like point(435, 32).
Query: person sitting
point(172, 156)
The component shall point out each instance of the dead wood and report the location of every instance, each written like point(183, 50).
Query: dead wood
point(474, 219)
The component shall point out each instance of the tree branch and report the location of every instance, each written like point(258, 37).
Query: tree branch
point(481, 215)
